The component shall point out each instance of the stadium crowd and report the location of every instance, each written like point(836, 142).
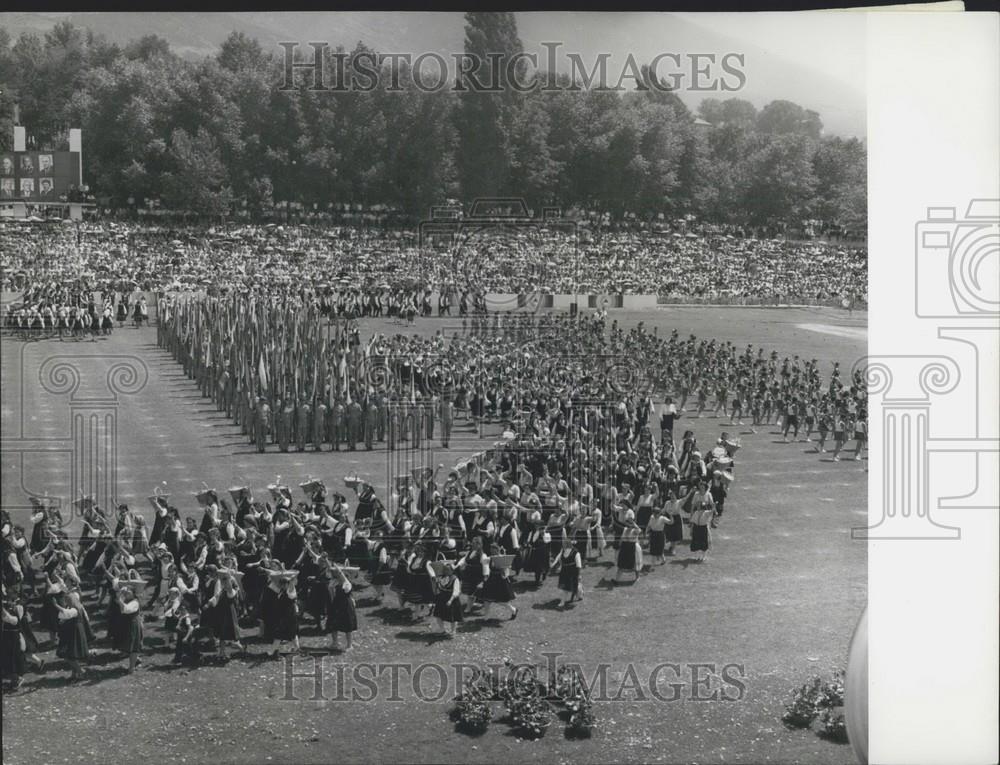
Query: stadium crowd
point(697, 264)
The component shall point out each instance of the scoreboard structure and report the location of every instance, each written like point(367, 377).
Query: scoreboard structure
point(42, 180)
point(38, 176)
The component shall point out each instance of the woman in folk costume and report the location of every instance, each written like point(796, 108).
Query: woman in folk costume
point(73, 644)
point(122, 309)
point(229, 531)
point(341, 616)
point(447, 611)
point(381, 565)
point(314, 577)
point(17, 643)
point(456, 521)
point(556, 527)
point(255, 577)
point(536, 554)
point(215, 550)
point(188, 540)
point(161, 520)
point(498, 587)
point(483, 523)
point(225, 622)
point(129, 634)
point(569, 562)
point(94, 528)
point(674, 528)
point(118, 575)
point(702, 514)
point(163, 573)
point(578, 527)
point(400, 576)
point(475, 570)
point(508, 539)
point(418, 590)
point(107, 323)
point(629, 550)
point(44, 521)
point(280, 611)
point(189, 585)
point(210, 518)
point(656, 529)
point(649, 497)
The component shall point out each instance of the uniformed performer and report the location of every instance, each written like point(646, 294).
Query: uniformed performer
point(303, 421)
point(569, 563)
point(447, 611)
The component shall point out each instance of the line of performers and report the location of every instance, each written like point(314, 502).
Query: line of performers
point(446, 553)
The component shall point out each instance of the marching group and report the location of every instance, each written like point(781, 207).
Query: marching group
point(578, 471)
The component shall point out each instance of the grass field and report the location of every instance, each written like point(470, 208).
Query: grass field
point(779, 595)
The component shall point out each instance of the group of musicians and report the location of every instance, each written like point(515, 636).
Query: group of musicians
point(447, 548)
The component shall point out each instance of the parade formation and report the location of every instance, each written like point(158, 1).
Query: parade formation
point(597, 457)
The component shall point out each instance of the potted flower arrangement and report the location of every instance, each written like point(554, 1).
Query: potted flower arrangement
point(823, 699)
point(802, 710)
point(582, 723)
point(531, 716)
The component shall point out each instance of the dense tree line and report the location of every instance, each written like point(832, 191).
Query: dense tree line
point(217, 134)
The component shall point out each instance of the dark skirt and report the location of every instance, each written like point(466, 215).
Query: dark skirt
point(399, 578)
point(419, 587)
point(12, 661)
point(657, 542)
point(319, 594)
point(382, 573)
point(285, 619)
point(498, 589)
point(73, 640)
point(537, 559)
point(555, 546)
point(130, 633)
point(642, 516)
point(341, 615)
point(569, 579)
point(675, 531)
point(445, 611)
point(226, 623)
point(472, 577)
point(113, 621)
point(50, 614)
point(581, 540)
point(626, 556)
point(699, 538)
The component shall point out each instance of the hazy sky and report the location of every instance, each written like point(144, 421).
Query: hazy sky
point(828, 42)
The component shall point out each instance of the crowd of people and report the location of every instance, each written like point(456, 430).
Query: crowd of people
point(452, 549)
point(267, 321)
point(397, 390)
point(380, 265)
point(591, 463)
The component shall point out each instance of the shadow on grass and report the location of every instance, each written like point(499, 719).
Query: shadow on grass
point(685, 562)
point(548, 605)
point(393, 616)
point(428, 638)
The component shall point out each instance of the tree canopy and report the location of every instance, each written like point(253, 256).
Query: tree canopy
point(207, 135)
